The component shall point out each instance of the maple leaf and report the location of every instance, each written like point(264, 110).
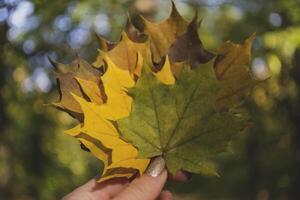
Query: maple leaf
point(102, 139)
point(163, 34)
point(178, 39)
point(67, 84)
point(125, 53)
point(131, 32)
point(115, 82)
point(179, 121)
point(188, 47)
point(233, 71)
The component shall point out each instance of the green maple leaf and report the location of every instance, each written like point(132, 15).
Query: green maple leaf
point(179, 122)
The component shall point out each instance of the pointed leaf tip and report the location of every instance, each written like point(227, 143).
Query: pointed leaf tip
point(162, 34)
point(52, 61)
point(165, 75)
point(251, 38)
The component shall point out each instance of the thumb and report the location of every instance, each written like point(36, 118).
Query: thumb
point(149, 185)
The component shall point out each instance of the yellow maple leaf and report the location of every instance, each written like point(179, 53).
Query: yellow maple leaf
point(101, 137)
point(116, 81)
point(125, 53)
point(91, 89)
point(114, 170)
point(165, 75)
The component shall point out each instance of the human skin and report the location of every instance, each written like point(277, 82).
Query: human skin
point(142, 188)
point(149, 186)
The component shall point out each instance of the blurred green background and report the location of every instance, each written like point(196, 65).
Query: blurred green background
point(37, 161)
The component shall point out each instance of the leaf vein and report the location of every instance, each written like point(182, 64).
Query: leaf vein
point(193, 138)
point(181, 117)
point(144, 138)
point(156, 116)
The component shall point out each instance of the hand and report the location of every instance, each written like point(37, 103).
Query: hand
point(144, 187)
point(147, 187)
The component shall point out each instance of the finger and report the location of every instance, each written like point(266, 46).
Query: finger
point(165, 195)
point(94, 190)
point(148, 186)
point(144, 187)
point(180, 177)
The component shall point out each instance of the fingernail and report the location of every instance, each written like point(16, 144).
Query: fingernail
point(156, 167)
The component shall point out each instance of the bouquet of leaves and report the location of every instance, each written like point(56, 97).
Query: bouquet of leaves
point(157, 92)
